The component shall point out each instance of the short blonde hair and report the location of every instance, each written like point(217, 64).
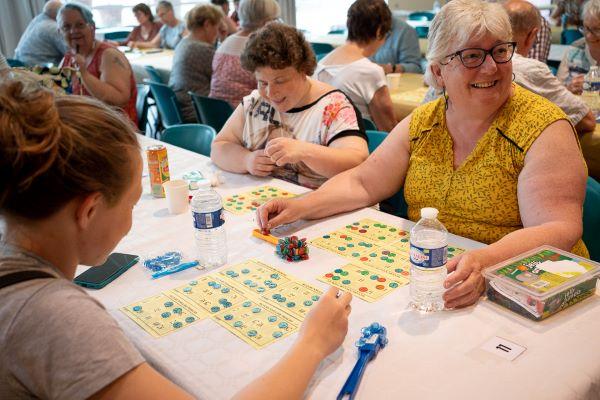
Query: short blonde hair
point(197, 16)
point(460, 21)
point(254, 14)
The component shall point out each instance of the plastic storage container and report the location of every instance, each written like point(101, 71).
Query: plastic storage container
point(541, 282)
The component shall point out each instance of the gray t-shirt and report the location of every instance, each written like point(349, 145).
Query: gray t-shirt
point(191, 71)
point(41, 42)
point(57, 342)
point(171, 36)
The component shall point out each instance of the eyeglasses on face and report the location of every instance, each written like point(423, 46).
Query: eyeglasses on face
point(585, 30)
point(77, 27)
point(474, 57)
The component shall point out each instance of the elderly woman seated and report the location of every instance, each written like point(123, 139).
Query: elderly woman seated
point(348, 67)
point(494, 158)
point(292, 127)
point(104, 71)
point(146, 31)
point(583, 52)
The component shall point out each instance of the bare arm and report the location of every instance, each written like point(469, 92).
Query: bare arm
point(382, 110)
point(587, 124)
point(341, 155)
point(550, 213)
point(152, 44)
point(114, 85)
point(378, 178)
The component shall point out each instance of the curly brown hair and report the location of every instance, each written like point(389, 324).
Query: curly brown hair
point(56, 148)
point(368, 20)
point(279, 46)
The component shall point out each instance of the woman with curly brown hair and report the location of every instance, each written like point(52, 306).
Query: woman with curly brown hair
point(292, 127)
point(70, 174)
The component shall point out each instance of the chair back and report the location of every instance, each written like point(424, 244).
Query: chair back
point(141, 106)
point(153, 74)
point(421, 16)
point(568, 36)
point(116, 35)
point(321, 48)
point(395, 205)
point(375, 138)
point(212, 112)
point(194, 137)
point(369, 125)
point(14, 63)
point(591, 218)
point(422, 31)
point(167, 104)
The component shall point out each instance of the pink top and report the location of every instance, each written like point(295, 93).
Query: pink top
point(231, 82)
point(94, 69)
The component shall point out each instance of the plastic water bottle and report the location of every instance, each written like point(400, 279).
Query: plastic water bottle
point(428, 256)
point(591, 90)
point(207, 212)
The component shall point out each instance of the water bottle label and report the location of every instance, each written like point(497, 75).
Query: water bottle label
point(210, 220)
point(428, 258)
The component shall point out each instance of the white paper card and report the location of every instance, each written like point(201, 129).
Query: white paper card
point(503, 348)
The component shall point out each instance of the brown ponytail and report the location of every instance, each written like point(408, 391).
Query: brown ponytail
point(53, 149)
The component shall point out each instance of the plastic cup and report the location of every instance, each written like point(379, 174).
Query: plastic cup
point(176, 192)
point(394, 80)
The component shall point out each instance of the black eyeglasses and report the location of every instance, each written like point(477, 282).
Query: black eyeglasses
point(474, 57)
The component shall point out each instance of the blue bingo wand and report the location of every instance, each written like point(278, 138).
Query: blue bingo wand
point(372, 340)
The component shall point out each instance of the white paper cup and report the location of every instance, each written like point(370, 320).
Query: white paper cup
point(394, 80)
point(176, 192)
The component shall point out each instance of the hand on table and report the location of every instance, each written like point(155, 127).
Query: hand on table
point(132, 44)
point(326, 325)
point(284, 150)
point(259, 164)
point(576, 84)
point(278, 212)
point(466, 282)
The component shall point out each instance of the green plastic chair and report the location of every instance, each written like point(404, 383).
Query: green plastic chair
point(153, 74)
point(194, 137)
point(591, 218)
point(421, 16)
point(166, 102)
point(14, 63)
point(395, 205)
point(321, 48)
point(422, 31)
point(212, 112)
point(369, 125)
point(568, 36)
point(116, 35)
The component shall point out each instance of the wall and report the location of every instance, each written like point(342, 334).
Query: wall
point(411, 4)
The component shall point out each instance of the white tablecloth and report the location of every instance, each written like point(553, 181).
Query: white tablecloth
point(436, 356)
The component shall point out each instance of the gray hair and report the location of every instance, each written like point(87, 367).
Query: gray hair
point(85, 12)
point(460, 21)
point(591, 8)
point(254, 14)
point(51, 8)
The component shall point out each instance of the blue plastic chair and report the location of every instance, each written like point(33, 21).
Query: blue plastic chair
point(167, 104)
point(14, 63)
point(591, 218)
point(116, 35)
point(369, 125)
point(194, 137)
point(321, 48)
point(422, 31)
point(421, 16)
point(153, 74)
point(395, 205)
point(568, 36)
point(212, 112)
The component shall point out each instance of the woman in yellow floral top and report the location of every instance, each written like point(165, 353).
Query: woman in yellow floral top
point(502, 164)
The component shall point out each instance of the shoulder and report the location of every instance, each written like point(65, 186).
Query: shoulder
point(526, 115)
point(251, 100)
point(426, 116)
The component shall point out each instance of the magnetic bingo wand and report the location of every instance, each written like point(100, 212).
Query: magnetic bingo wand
point(374, 338)
point(289, 248)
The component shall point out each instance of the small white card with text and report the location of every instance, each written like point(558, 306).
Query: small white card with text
point(503, 348)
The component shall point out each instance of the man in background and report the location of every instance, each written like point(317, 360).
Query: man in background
point(42, 43)
point(400, 52)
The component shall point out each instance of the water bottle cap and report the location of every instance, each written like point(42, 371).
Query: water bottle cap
point(204, 184)
point(429, 212)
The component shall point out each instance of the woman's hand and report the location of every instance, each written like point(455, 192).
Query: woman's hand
point(576, 84)
point(278, 212)
point(284, 150)
point(465, 281)
point(259, 164)
point(326, 325)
